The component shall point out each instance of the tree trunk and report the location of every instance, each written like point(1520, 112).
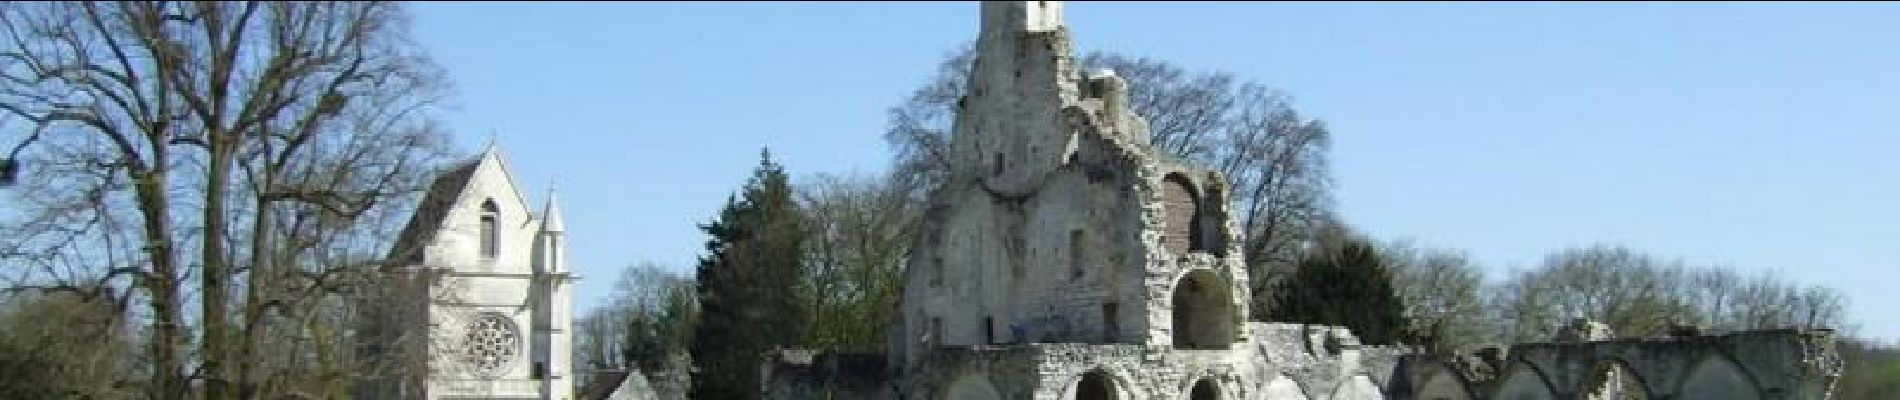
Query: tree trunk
point(216, 271)
point(167, 375)
point(256, 286)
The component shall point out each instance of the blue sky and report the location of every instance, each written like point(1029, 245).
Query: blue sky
point(1752, 135)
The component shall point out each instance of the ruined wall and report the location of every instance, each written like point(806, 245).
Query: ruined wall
point(1040, 267)
point(1054, 223)
point(1289, 361)
point(1297, 364)
point(1762, 364)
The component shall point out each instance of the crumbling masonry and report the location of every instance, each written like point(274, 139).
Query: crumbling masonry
point(1065, 259)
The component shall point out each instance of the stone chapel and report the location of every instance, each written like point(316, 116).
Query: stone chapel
point(478, 306)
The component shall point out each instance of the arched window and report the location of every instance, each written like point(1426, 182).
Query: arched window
point(1095, 385)
point(1203, 312)
point(1204, 390)
point(1191, 224)
point(491, 229)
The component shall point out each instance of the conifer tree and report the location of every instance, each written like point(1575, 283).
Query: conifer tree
point(747, 286)
point(1343, 282)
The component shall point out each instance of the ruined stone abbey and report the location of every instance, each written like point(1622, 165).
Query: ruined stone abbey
point(1064, 259)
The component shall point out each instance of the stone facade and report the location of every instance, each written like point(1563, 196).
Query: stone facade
point(1065, 259)
point(488, 314)
point(1058, 224)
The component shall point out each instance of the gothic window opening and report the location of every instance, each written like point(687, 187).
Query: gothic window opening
point(996, 168)
point(491, 229)
point(989, 330)
point(1075, 254)
point(1111, 321)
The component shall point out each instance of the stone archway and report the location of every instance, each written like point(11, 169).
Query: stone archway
point(1096, 385)
point(1203, 312)
point(1442, 386)
point(1717, 377)
point(1524, 381)
point(972, 386)
point(1204, 390)
point(1614, 381)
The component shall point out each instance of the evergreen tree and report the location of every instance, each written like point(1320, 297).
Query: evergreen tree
point(1343, 282)
point(747, 286)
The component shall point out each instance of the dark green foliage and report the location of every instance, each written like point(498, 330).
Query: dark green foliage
point(747, 286)
point(1344, 282)
point(1872, 370)
point(24, 373)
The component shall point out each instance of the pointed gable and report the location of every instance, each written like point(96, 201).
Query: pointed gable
point(445, 194)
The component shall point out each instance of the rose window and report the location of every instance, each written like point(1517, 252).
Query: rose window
point(491, 343)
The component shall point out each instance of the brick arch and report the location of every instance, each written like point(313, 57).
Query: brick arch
point(1181, 207)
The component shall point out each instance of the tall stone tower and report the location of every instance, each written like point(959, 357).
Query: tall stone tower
point(479, 306)
point(1058, 223)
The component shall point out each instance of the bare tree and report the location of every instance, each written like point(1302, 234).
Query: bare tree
point(647, 324)
point(248, 140)
point(1631, 292)
point(1443, 293)
point(861, 232)
point(1273, 158)
point(1637, 294)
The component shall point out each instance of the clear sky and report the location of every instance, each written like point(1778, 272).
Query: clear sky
point(1759, 136)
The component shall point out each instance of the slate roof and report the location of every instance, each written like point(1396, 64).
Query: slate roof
point(433, 210)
